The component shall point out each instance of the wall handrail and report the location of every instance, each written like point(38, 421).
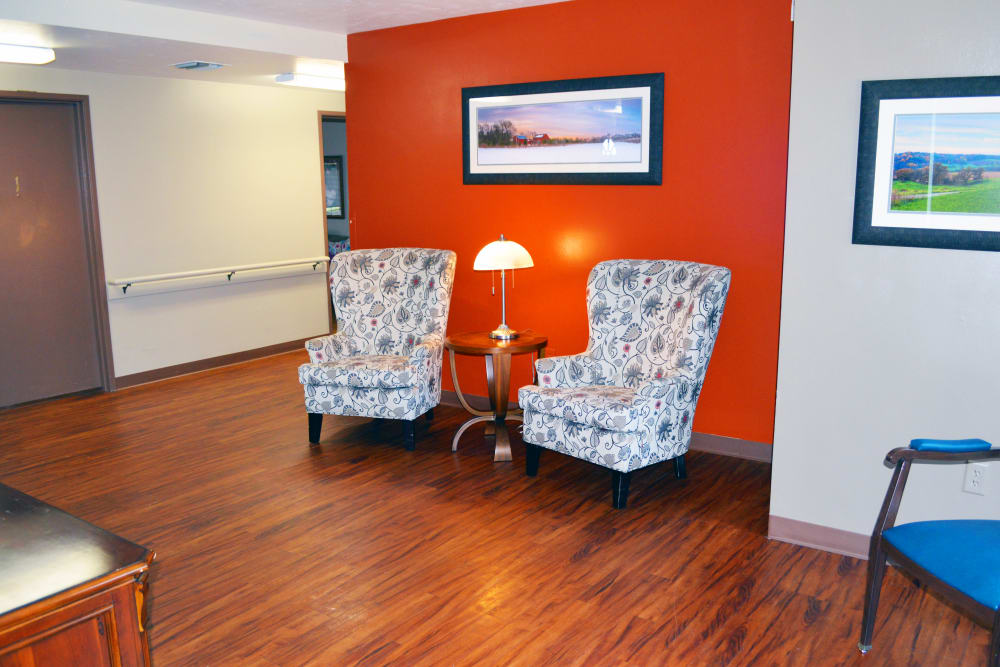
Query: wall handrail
point(228, 271)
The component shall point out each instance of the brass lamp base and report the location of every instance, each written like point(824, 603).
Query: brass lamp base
point(504, 332)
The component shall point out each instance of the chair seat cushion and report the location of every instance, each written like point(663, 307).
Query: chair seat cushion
point(963, 554)
point(606, 407)
point(384, 371)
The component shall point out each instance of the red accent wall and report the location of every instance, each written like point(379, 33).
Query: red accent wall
point(727, 68)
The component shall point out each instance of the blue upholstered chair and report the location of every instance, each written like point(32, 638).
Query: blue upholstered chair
point(959, 559)
point(629, 400)
point(385, 359)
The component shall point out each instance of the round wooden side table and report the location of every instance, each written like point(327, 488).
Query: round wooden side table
point(497, 354)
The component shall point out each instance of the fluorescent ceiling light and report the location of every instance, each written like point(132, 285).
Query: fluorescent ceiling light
point(28, 55)
point(333, 69)
point(311, 81)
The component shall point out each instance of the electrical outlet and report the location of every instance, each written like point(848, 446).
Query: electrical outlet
point(975, 478)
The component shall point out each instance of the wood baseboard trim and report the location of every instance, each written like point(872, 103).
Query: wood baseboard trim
point(816, 536)
point(726, 446)
point(449, 398)
point(700, 442)
point(186, 368)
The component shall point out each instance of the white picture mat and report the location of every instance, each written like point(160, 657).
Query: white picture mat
point(882, 190)
point(476, 103)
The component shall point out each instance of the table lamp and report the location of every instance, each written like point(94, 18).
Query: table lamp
point(500, 256)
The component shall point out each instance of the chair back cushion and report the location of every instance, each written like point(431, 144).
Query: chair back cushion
point(653, 319)
point(387, 300)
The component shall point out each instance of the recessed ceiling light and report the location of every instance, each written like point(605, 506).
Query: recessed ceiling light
point(27, 55)
point(197, 64)
point(311, 81)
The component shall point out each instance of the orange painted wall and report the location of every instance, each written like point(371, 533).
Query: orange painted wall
point(727, 68)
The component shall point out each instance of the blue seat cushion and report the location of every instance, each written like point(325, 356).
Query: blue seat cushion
point(932, 445)
point(963, 554)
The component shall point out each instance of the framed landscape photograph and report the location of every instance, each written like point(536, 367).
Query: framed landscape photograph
point(929, 163)
point(333, 175)
point(601, 131)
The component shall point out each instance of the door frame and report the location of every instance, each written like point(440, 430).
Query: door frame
point(321, 116)
point(80, 104)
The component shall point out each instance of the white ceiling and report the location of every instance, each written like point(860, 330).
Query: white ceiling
point(347, 16)
point(120, 53)
point(258, 39)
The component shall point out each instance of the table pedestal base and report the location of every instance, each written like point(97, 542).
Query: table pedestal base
point(497, 356)
point(501, 451)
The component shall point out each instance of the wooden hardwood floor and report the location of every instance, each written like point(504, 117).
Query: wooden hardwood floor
point(358, 552)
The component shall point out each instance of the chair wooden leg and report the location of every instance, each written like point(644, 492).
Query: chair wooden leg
point(410, 435)
point(315, 426)
point(531, 455)
point(680, 469)
point(994, 659)
point(619, 489)
point(876, 572)
point(430, 414)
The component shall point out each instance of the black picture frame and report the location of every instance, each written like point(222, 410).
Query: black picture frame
point(873, 93)
point(651, 146)
point(333, 175)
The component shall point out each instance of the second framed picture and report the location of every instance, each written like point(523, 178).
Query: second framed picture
point(603, 131)
point(929, 163)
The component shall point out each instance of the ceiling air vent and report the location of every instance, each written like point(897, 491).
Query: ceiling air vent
point(197, 64)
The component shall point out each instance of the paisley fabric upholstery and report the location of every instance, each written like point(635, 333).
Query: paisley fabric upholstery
point(612, 408)
point(619, 450)
point(392, 312)
point(629, 400)
point(366, 402)
point(376, 370)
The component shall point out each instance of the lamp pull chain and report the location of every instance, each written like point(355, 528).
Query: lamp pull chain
point(493, 283)
point(512, 278)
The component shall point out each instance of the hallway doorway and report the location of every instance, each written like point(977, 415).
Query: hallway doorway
point(337, 225)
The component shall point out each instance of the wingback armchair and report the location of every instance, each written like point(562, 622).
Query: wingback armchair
point(629, 400)
point(384, 361)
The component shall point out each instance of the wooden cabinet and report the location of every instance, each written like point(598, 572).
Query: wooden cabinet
point(70, 593)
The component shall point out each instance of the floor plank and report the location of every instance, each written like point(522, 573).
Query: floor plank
point(270, 552)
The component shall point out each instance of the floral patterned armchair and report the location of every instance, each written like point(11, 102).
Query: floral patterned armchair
point(629, 400)
point(385, 359)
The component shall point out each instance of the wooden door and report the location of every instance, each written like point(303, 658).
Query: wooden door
point(48, 310)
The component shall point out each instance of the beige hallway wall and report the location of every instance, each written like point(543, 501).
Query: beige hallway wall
point(194, 175)
point(878, 344)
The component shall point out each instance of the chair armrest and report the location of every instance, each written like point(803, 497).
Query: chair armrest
point(932, 445)
point(328, 348)
point(429, 346)
point(902, 459)
point(943, 451)
point(572, 370)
